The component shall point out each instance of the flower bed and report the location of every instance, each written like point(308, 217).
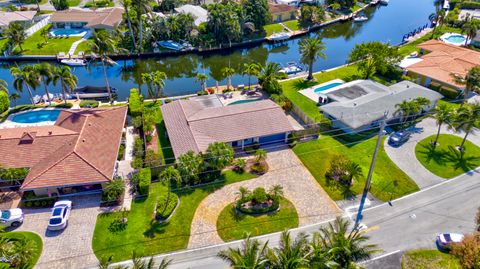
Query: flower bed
point(259, 201)
point(164, 210)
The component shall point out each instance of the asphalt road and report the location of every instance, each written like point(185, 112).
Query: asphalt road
point(408, 223)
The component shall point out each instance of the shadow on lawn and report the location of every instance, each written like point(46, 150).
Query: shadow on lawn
point(155, 228)
point(452, 156)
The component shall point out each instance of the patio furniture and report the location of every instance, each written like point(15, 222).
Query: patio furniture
point(240, 87)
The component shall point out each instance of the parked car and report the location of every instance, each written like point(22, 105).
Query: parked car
point(60, 214)
point(445, 240)
point(398, 138)
point(11, 217)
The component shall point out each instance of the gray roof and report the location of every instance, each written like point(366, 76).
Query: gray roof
point(374, 100)
point(192, 126)
point(200, 14)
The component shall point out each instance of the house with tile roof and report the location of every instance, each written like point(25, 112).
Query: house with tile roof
point(107, 19)
point(77, 153)
point(281, 12)
point(23, 17)
point(441, 63)
point(192, 126)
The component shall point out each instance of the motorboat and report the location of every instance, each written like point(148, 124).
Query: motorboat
point(280, 36)
point(291, 68)
point(384, 2)
point(360, 18)
point(170, 44)
point(92, 92)
point(74, 62)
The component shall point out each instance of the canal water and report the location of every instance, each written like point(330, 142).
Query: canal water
point(385, 24)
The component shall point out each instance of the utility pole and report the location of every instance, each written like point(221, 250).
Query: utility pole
point(370, 172)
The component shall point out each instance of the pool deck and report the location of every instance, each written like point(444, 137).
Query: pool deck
point(8, 123)
point(238, 96)
point(310, 92)
point(445, 37)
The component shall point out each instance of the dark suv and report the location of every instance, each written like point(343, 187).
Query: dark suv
point(398, 138)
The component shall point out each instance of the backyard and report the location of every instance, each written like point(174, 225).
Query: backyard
point(445, 160)
point(316, 156)
point(429, 259)
point(35, 45)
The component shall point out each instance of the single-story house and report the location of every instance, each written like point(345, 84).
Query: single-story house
point(439, 67)
point(107, 19)
point(359, 105)
point(78, 153)
point(199, 13)
point(23, 17)
point(192, 126)
point(293, 3)
point(281, 12)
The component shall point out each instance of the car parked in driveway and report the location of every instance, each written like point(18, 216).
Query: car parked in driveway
point(60, 213)
point(445, 240)
point(398, 138)
point(11, 217)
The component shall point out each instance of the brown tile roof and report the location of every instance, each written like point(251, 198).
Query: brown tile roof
point(106, 18)
point(8, 17)
point(445, 60)
point(81, 148)
point(193, 127)
point(279, 8)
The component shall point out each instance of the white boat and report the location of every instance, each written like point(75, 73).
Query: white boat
point(170, 44)
point(74, 62)
point(292, 68)
point(360, 18)
point(384, 2)
point(48, 98)
point(280, 36)
point(92, 92)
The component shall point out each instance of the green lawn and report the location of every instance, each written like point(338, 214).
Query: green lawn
point(272, 28)
point(73, 3)
point(429, 259)
point(165, 149)
point(84, 46)
point(146, 236)
point(316, 156)
point(3, 44)
point(35, 45)
point(231, 226)
point(30, 236)
point(445, 160)
point(293, 25)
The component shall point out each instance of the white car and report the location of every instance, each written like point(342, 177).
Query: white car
point(60, 214)
point(445, 240)
point(11, 217)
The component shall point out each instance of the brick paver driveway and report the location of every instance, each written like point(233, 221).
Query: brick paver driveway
point(72, 247)
point(312, 203)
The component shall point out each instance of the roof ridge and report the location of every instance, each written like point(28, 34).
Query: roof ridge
point(239, 113)
point(47, 169)
point(87, 162)
point(189, 127)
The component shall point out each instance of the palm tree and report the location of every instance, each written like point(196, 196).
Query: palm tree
point(311, 49)
point(126, 5)
point(471, 82)
point(202, 78)
point(408, 108)
point(251, 69)
point(13, 98)
point(260, 155)
point(442, 114)
point(3, 86)
point(228, 72)
point(465, 119)
point(68, 81)
point(354, 170)
point(251, 255)
point(103, 44)
point(438, 18)
point(139, 262)
point(471, 28)
point(143, 8)
point(155, 83)
point(345, 247)
point(16, 35)
point(268, 78)
point(243, 193)
point(170, 175)
point(320, 257)
point(291, 254)
point(26, 76)
point(24, 250)
point(45, 70)
point(276, 190)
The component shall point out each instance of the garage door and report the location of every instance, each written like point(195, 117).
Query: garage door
point(271, 139)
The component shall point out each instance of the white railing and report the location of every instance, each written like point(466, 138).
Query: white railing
point(37, 26)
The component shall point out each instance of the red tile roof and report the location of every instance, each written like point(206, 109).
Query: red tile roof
point(81, 148)
point(193, 127)
point(106, 18)
point(280, 8)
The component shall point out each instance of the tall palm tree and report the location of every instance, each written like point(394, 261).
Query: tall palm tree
point(103, 44)
point(143, 7)
point(140, 262)
point(126, 5)
point(251, 69)
point(242, 193)
point(471, 82)
point(28, 77)
point(155, 83)
point(251, 255)
point(311, 49)
point(345, 247)
point(465, 119)
point(320, 256)
point(13, 98)
point(24, 249)
point(202, 78)
point(45, 70)
point(170, 175)
point(408, 108)
point(438, 18)
point(228, 72)
point(16, 35)
point(291, 254)
point(68, 81)
point(268, 78)
point(442, 114)
point(354, 170)
point(470, 28)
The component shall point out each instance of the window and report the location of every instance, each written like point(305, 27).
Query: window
point(279, 17)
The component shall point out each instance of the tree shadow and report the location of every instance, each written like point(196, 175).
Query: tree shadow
point(300, 84)
point(460, 161)
point(432, 153)
point(155, 228)
point(117, 226)
point(237, 216)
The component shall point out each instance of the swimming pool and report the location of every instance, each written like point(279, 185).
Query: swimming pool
point(243, 101)
point(36, 116)
point(68, 32)
point(454, 39)
point(327, 87)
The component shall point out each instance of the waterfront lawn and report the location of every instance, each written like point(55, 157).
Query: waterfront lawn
point(445, 160)
point(30, 237)
point(144, 235)
point(316, 156)
point(35, 45)
point(232, 226)
point(84, 46)
point(272, 28)
point(293, 25)
point(429, 259)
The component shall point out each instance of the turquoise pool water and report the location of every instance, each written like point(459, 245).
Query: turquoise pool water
point(243, 101)
point(326, 87)
point(67, 32)
point(36, 116)
point(456, 39)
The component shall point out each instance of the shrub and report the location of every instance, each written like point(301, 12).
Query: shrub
point(259, 195)
point(252, 148)
point(98, 4)
point(137, 122)
point(470, 5)
point(468, 251)
point(59, 4)
point(259, 168)
point(135, 103)
point(292, 140)
point(138, 147)
point(121, 152)
point(153, 159)
point(13, 173)
point(89, 103)
point(137, 162)
point(449, 93)
point(4, 102)
point(113, 190)
point(219, 155)
point(144, 180)
point(239, 166)
point(63, 105)
point(166, 205)
point(190, 165)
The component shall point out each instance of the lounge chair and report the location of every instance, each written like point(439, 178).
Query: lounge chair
point(231, 95)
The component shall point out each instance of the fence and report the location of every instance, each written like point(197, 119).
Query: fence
point(37, 26)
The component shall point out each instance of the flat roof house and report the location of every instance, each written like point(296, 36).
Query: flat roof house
point(107, 19)
point(442, 63)
point(193, 126)
point(77, 153)
point(24, 17)
point(359, 105)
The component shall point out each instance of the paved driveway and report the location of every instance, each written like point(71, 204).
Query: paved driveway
point(311, 202)
point(404, 156)
point(72, 247)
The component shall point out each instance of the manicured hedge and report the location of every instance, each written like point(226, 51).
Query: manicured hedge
point(89, 103)
point(64, 105)
point(164, 210)
point(144, 180)
point(135, 103)
point(470, 5)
